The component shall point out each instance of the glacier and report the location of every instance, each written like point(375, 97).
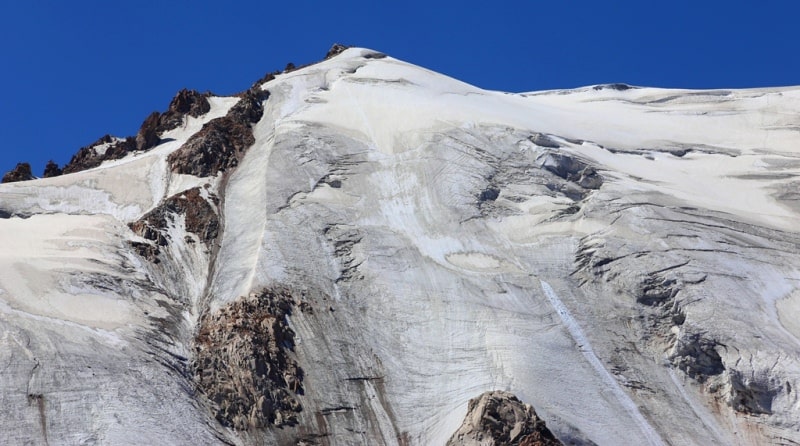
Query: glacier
point(384, 243)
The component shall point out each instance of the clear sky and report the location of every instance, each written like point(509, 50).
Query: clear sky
point(75, 70)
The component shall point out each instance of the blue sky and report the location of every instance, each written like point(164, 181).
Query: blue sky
point(74, 71)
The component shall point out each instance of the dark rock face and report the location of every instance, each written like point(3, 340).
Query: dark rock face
point(335, 50)
point(200, 219)
point(616, 86)
point(250, 108)
point(217, 147)
point(20, 173)
point(186, 102)
point(489, 194)
point(89, 157)
point(266, 78)
point(499, 418)
point(244, 362)
point(52, 169)
point(147, 137)
point(543, 140)
point(222, 142)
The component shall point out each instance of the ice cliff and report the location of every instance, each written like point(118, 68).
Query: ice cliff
point(362, 251)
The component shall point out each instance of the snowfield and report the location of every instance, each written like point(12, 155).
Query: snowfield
point(626, 260)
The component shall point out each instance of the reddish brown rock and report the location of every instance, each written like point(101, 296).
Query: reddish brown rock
point(147, 137)
point(20, 173)
point(185, 103)
point(222, 142)
point(217, 147)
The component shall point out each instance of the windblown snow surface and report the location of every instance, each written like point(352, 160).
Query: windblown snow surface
point(625, 260)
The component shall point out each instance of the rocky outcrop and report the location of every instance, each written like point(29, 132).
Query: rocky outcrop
point(52, 170)
point(147, 137)
point(616, 86)
point(222, 142)
point(499, 418)
point(105, 148)
point(250, 107)
point(22, 172)
point(199, 218)
point(244, 362)
point(335, 50)
point(185, 103)
point(217, 147)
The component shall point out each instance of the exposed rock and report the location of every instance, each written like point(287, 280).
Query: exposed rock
point(616, 86)
point(52, 170)
point(542, 140)
point(335, 50)
point(22, 172)
point(200, 218)
point(186, 102)
point(264, 79)
point(499, 418)
point(244, 362)
point(147, 138)
point(105, 148)
point(87, 157)
point(217, 147)
point(250, 107)
point(146, 250)
point(221, 143)
point(374, 55)
point(427, 272)
point(489, 194)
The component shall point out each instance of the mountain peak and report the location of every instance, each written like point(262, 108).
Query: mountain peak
point(363, 251)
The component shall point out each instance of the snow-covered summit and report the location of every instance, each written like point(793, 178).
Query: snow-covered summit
point(349, 252)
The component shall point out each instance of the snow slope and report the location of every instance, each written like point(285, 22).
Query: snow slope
point(623, 259)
